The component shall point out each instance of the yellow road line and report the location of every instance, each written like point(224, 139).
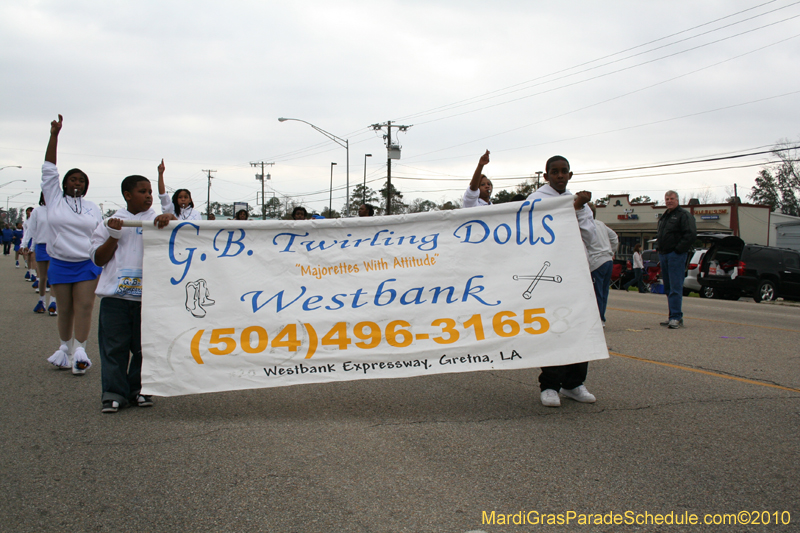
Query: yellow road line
point(705, 319)
point(715, 374)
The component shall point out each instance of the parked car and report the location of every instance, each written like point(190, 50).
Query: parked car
point(732, 269)
point(691, 283)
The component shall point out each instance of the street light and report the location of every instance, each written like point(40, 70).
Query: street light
point(330, 199)
point(345, 143)
point(12, 196)
point(364, 192)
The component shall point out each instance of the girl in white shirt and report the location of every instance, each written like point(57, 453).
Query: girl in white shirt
point(73, 276)
point(479, 192)
point(181, 204)
point(38, 230)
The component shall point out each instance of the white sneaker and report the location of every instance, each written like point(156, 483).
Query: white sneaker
point(579, 394)
point(81, 362)
point(60, 358)
point(550, 398)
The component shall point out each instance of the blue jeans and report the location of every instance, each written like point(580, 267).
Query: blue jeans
point(119, 334)
point(601, 277)
point(637, 279)
point(673, 272)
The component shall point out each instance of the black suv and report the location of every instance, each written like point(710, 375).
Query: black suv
point(731, 269)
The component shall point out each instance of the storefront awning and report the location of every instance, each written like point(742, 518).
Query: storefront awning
point(652, 227)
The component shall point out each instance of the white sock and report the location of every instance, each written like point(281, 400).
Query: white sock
point(76, 345)
point(41, 299)
point(65, 346)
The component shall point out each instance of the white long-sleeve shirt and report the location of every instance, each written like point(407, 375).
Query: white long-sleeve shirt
point(604, 246)
point(122, 275)
point(38, 230)
point(584, 215)
point(71, 220)
point(187, 213)
point(473, 199)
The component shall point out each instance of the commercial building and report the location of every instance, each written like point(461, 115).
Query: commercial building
point(638, 223)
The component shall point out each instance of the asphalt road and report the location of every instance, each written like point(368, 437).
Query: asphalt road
point(700, 420)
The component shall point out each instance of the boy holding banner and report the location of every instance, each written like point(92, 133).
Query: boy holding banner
point(566, 379)
point(120, 251)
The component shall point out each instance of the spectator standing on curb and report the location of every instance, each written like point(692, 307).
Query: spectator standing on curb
point(676, 233)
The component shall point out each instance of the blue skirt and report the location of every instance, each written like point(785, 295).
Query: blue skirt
point(41, 253)
point(67, 272)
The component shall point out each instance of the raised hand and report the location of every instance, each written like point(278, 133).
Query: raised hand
point(161, 168)
point(55, 126)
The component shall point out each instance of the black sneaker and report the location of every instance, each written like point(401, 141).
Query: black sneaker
point(110, 406)
point(144, 401)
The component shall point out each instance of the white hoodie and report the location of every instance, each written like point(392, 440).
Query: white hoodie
point(584, 215)
point(38, 230)
point(188, 213)
point(72, 220)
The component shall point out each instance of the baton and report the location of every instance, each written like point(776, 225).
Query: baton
point(556, 279)
point(527, 294)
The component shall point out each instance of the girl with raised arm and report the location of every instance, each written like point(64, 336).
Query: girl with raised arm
point(73, 275)
point(181, 204)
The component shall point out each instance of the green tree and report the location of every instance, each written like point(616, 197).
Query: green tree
point(362, 195)
point(644, 199)
point(420, 206)
point(12, 216)
point(602, 201)
point(330, 214)
point(398, 206)
point(778, 185)
point(524, 189)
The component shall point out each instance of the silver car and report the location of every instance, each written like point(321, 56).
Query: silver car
point(690, 284)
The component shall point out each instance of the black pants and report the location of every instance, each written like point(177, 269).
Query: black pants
point(565, 376)
point(119, 334)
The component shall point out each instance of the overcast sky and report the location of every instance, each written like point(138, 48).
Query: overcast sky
point(610, 85)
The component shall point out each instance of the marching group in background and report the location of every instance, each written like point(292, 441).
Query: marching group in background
point(68, 251)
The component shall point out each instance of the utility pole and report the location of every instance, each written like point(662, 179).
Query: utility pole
point(208, 208)
point(261, 177)
point(393, 152)
point(538, 175)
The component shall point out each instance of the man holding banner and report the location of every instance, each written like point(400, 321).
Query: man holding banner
point(566, 379)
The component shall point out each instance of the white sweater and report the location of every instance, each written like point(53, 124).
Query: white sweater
point(38, 230)
point(189, 213)
point(473, 199)
point(72, 220)
point(584, 215)
point(604, 246)
point(122, 275)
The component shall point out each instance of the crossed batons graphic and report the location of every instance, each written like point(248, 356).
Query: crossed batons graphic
point(536, 279)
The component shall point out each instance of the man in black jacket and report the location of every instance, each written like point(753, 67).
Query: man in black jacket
point(676, 233)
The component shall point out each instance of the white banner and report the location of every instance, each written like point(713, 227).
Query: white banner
point(231, 305)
